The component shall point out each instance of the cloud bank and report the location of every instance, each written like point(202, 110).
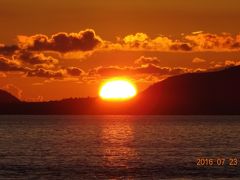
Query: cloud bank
point(30, 55)
point(61, 42)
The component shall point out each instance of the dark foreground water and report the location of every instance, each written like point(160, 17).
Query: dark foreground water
point(119, 147)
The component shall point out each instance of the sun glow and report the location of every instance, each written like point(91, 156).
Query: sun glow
point(117, 89)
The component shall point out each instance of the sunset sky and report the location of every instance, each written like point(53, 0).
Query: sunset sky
point(54, 49)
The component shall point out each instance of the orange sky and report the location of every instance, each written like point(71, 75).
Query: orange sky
point(144, 40)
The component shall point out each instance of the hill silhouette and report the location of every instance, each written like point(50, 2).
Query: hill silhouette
point(6, 97)
point(196, 93)
point(208, 93)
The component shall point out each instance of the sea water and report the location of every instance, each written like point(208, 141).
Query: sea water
point(119, 147)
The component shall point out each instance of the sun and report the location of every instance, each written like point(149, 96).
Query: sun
point(117, 89)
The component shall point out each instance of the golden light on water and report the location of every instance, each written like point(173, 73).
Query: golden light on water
point(117, 89)
point(116, 138)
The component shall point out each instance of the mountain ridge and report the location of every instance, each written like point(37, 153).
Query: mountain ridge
point(6, 97)
point(202, 93)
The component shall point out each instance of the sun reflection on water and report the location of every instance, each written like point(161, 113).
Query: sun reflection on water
point(117, 139)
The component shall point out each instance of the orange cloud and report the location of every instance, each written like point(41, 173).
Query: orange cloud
point(231, 63)
point(143, 42)
point(84, 43)
point(223, 64)
point(197, 41)
point(198, 60)
point(214, 42)
point(29, 55)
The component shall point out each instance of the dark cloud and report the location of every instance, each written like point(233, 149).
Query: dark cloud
point(61, 42)
point(153, 69)
point(147, 60)
point(110, 71)
point(35, 58)
point(44, 73)
point(8, 50)
point(38, 70)
point(132, 71)
point(74, 71)
point(236, 45)
point(10, 65)
point(181, 47)
point(59, 73)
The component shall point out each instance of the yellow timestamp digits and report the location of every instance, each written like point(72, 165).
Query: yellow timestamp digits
point(217, 161)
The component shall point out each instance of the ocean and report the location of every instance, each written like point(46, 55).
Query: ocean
point(119, 147)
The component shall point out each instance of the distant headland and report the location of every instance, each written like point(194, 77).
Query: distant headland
point(205, 93)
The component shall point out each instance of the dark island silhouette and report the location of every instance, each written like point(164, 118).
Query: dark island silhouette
point(208, 93)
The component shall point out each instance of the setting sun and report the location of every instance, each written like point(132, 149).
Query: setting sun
point(117, 90)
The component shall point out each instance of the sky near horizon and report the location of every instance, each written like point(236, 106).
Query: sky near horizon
point(53, 49)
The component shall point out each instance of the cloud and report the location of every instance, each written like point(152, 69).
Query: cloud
point(38, 70)
point(8, 50)
point(147, 60)
point(236, 44)
point(74, 71)
point(197, 32)
point(62, 42)
point(214, 42)
point(13, 90)
point(10, 65)
point(2, 75)
point(17, 92)
point(15, 65)
point(34, 99)
point(223, 64)
point(44, 73)
point(145, 73)
point(143, 42)
point(180, 46)
point(231, 63)
point(132, 71)
point(198, 60)
point(137, 40)
point(30, 54)
point(59, 73)
point(110, 71)
point(158, 70)
point(86, 42)
point(194, 42)
point(35, 58)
